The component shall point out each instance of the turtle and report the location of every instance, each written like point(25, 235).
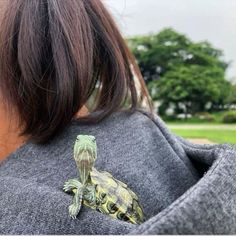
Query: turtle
point(99, 190)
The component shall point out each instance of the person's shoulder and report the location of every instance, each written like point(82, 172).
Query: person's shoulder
point(132, 118)
point(140, 119)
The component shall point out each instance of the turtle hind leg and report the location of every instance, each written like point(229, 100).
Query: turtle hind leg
point(75, 207)
point(70, 185)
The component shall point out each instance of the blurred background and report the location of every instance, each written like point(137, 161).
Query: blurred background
point(186, 50)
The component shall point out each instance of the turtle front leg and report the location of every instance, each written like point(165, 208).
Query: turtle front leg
point(75, 207)
point(70, 185)
point(90, 194)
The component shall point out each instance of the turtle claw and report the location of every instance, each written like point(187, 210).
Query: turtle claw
point(75, 207)
point(67, 187)
point(71, 184)
point(73, 211)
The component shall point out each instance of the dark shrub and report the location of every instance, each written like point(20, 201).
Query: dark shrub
point(229, 117)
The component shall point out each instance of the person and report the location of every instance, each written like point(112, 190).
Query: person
point(66, 70)
point(58, 60)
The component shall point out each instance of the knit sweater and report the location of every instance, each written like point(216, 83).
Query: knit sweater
point(182, 187)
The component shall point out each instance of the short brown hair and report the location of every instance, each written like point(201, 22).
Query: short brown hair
point(54, 53)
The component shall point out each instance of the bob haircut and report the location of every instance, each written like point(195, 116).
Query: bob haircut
point(55, 55)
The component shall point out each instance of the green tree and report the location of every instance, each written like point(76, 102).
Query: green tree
point(157, 54)
point(180, 71)
point(192, 86)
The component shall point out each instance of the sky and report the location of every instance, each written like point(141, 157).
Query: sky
point(211, 20)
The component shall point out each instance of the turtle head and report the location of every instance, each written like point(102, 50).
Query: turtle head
point(85, 154)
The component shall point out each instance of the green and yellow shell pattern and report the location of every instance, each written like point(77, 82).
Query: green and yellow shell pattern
point(114, 198)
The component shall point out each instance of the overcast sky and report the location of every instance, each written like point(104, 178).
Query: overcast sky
point(212, 20)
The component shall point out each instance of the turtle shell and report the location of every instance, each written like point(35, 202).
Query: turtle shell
point(115, 198)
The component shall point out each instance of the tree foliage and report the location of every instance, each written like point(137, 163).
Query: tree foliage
point(178, 70)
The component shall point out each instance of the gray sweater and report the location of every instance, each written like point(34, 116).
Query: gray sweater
point(183, 188)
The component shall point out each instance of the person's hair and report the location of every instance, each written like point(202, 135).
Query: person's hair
point(54, 54)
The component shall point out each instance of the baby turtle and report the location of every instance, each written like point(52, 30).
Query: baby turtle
point(99, 190)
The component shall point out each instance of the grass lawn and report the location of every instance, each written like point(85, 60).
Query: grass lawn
point(217, 136)
point(195, 128)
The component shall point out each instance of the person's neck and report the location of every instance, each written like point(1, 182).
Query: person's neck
point(10, 140)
